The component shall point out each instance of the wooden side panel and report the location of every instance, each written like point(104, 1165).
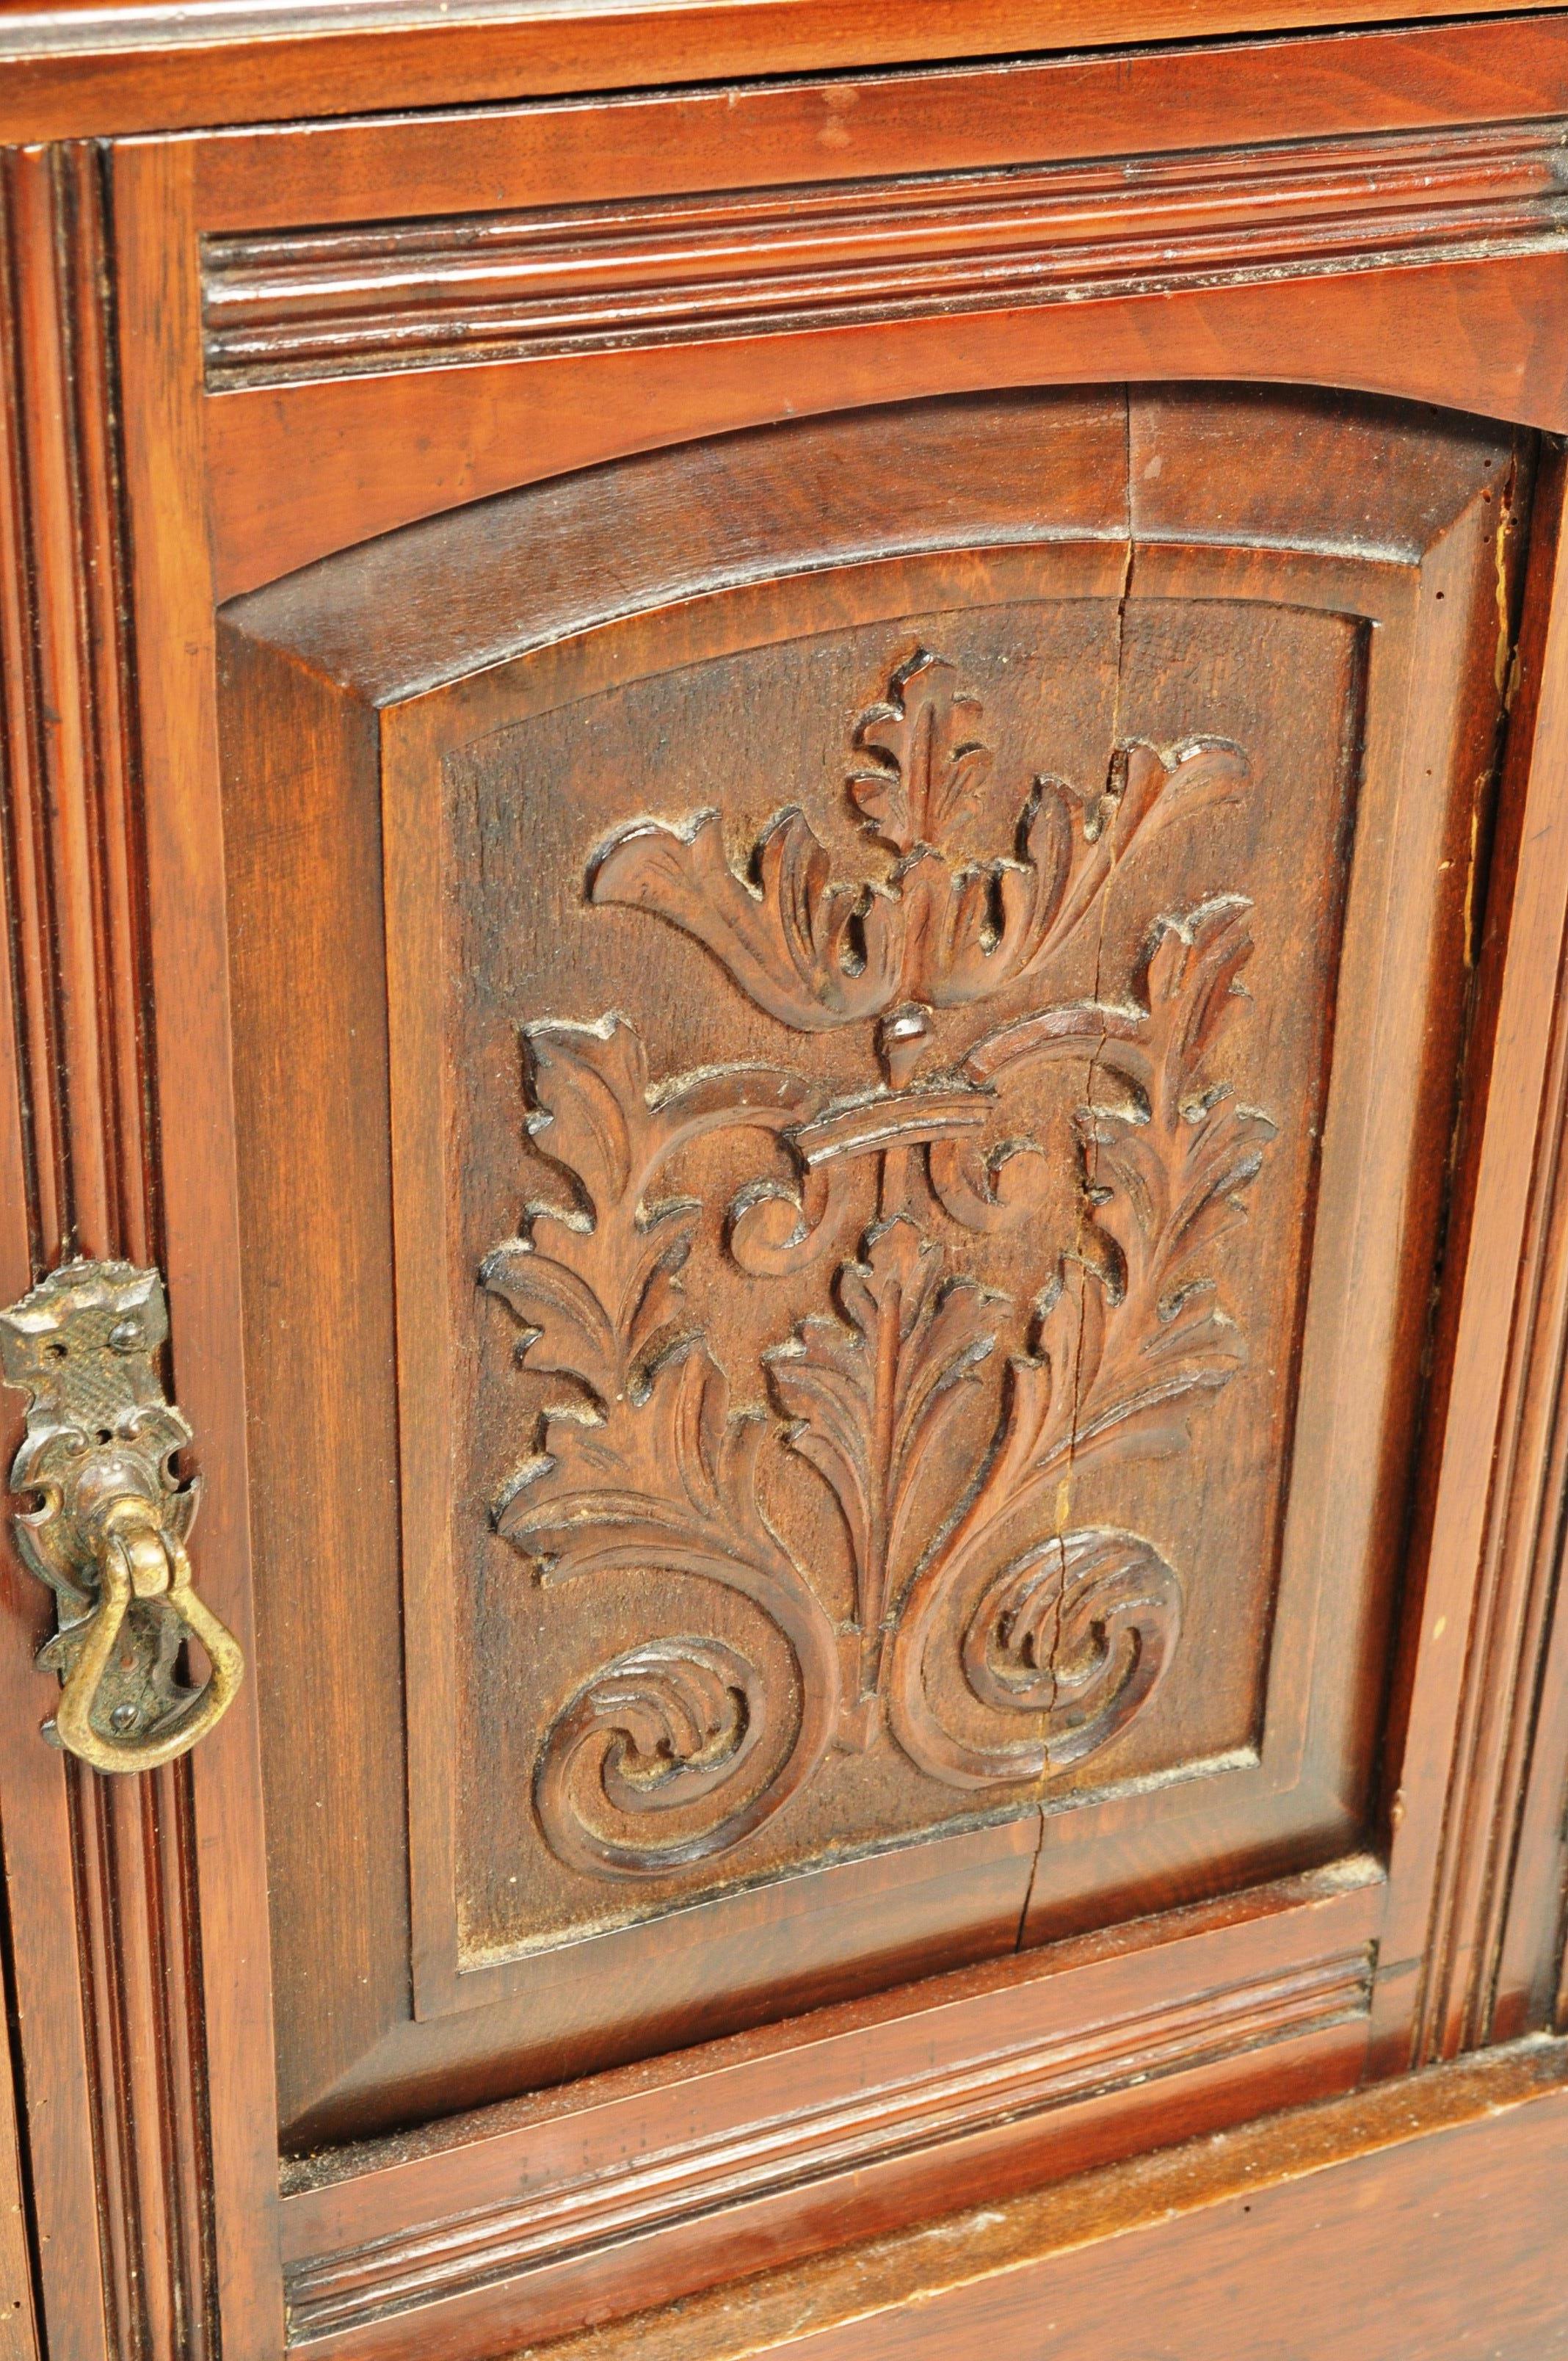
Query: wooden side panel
point(1470, 1677)
point(1497, 1930)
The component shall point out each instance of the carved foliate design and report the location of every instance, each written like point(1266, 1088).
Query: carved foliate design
point(1054, 1637)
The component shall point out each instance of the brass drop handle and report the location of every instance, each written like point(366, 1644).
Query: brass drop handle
point(108, 1534)
point(141, 1559)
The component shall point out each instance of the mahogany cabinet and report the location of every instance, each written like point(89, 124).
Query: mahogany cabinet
point(782, 1080)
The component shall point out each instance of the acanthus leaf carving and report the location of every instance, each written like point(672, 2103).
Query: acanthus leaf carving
point(870, 1392)
point(600, 1296)
point(925, 776)
point(939, 929)
point(814, 954)
point(1166, 1176)
point(1130, 1338)
point(992, 1605)
point(659, 1728)
point(654, 1471)
point(667, 1483)
point(1076, 1631)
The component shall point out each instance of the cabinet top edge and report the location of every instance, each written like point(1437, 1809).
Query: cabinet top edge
point(108, 68)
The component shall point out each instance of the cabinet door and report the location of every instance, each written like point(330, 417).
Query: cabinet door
point(849, 1044)
point(846, 1008)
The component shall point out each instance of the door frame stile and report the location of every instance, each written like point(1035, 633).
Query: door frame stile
point(113, 2076)
point(1437, 1766)
point(173, 606)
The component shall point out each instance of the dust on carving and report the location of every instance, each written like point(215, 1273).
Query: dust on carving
point(679, 1749)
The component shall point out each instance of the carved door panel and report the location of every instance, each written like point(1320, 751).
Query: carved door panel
point(853, 1033)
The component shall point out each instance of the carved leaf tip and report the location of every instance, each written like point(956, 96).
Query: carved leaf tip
point(586, 1087)
point(507, 1517)
point(627, 847)
point(926, 776)
point(1150, 785)
point(1195, 771)
point(812, 953)
point(1189, 971)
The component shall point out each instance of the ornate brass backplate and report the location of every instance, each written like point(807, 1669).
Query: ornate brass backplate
point(109, 1530)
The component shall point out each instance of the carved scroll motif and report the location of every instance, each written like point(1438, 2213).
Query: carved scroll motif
point(1052, 1638)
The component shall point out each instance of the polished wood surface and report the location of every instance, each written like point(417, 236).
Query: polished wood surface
point(187, 956)
point(1066, 108)
point(549, 2211)
point(809, 707)
point(18, 2308)
point(658, 270)
point(1217, 258)
point(106, 1959)
point(303, 471)
point(1436, 2197)
point(71, 73)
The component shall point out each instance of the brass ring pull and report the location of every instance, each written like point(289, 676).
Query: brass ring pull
point(141, 1560)
point(108, 1532)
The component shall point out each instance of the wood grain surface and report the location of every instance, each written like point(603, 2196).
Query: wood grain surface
point(105, 1958)
point(71, 73)
point(1381, 211)
point(19, 2323)
point(1417, 2220)
point(172, 611)
point(1245, 96)
point(856, 1728)
point(345, 690)
point(658, 270)
point(546, 2211)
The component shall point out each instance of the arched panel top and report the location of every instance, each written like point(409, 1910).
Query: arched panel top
point(1236, 466)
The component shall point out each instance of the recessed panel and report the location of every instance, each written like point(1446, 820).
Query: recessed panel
point(887, 1071)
